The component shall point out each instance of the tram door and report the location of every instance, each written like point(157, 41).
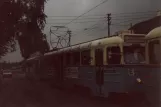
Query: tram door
point(99, 70)
point(59, 71)
point(57, 67)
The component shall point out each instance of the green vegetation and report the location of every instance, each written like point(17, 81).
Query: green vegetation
point(22, 20)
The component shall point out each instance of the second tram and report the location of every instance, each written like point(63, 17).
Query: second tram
point(104, 66)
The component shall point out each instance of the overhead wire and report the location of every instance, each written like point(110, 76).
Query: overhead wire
point(86, 12)
point(132, 13)
point(135, 12)
point(89, 21)
point(129, 20)
point(119, 24)
point(94, 31)
point(93, 27)
point(93, 19)
point(95, 15)
point(75, 22)
point(79, 19)
point(115, 17)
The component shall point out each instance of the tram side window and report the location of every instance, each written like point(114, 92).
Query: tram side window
point(68, 59)
point(113, 55)
point(99, 56)
point(55, 61)
point(64, 59)
point(76, 58)
point(85, 57)
point(49, 62)
point(154, 52)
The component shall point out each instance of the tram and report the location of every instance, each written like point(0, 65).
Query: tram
point(126, 63)
point(103, 66)
point(34, 67)
point(153, 50)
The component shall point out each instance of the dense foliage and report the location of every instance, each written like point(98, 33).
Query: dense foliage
point(22, 20)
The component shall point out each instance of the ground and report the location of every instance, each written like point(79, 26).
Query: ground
point(20, 92)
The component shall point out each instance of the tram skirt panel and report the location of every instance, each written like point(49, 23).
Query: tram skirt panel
point(153, 90)
point(144, 82)
point(87, 79)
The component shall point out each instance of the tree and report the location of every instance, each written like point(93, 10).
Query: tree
point(22, 20)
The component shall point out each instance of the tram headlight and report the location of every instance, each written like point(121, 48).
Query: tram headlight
point(138, 80)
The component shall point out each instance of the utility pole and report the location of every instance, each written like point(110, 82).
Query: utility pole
point(69, 33)
point(109, 22)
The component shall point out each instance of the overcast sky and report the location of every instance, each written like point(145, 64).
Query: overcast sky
point(93, 18)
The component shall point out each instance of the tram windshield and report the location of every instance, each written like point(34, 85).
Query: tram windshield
point(154, 52)
point(134, 54)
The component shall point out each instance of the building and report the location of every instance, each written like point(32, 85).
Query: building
point(146, 26)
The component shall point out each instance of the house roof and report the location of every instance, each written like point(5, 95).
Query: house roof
point(146, 26)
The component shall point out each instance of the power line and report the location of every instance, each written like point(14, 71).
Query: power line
point(87, 11)
point(97, 29)
point(77, 16)
point(113, 18)
point(96, 17)
point(88, 20)
point(94, 31)
point(131, 13)
point(136, 12)
point(115, 24)
point(76, 22)
point(132, 19)
point(128, 20)
point(93, 27)
point(86, 33)
point(79, 19)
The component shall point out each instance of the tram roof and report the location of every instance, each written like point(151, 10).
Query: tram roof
point(154, 33)
point(89, 44)
point(76, 47)
point(107, 41)
point(85, 45)
point(95, 43)
point(32, 58)
point(50, 53)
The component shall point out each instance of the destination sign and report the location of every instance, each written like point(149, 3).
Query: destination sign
point(134, 38)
